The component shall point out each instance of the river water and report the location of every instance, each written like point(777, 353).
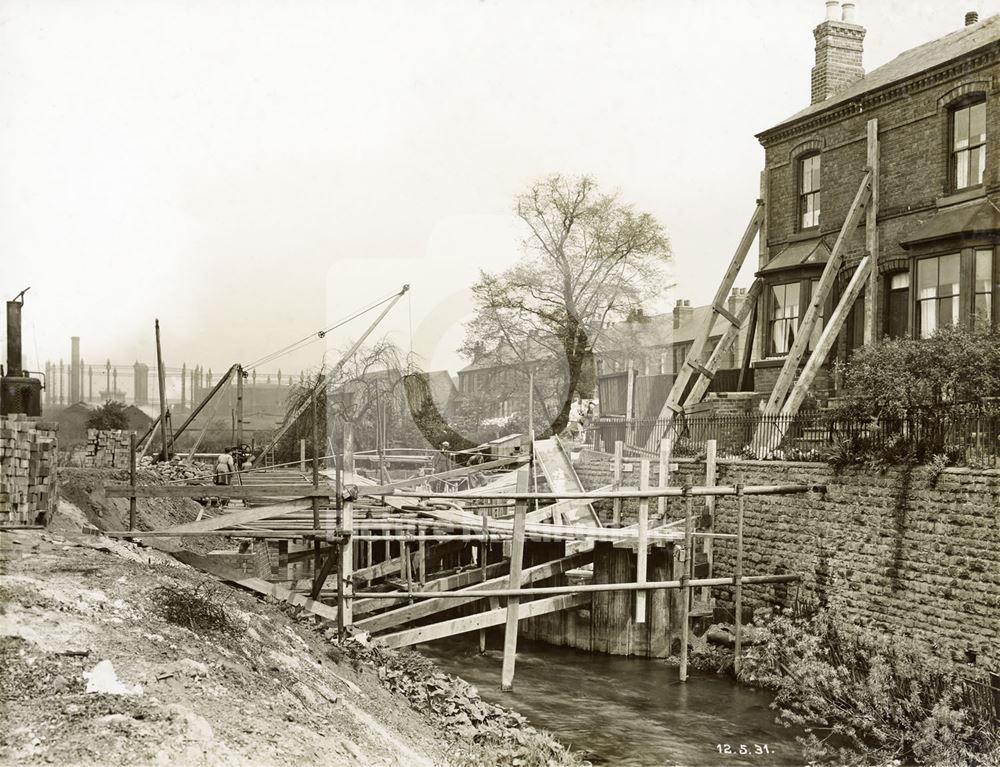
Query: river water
point(627, 711)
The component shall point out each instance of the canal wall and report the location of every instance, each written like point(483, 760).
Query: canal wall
point(913, 552)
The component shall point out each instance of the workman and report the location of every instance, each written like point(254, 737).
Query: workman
point(442, 463)
point(225, 466)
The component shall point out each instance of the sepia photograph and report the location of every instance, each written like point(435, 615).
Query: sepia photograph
point(494, 383)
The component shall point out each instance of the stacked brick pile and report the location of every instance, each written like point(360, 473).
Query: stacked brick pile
point(27, 469)
point(106, 449)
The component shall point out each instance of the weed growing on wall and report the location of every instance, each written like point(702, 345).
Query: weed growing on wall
point(865, 697)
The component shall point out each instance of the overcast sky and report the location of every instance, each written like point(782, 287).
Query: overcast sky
point(248, 171)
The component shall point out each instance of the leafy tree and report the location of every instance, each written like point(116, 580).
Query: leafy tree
point(589, 259)
point(110, 415)
point(895, 377)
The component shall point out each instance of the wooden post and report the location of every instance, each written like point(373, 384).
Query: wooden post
point(871, 237)
point(531, 405)
point(643, 551)
point(404, 553)
point(666, 446)
point(616, 518)
point(711, 453)
point(630, 404)
point(513, 603)
point(162, 385)
point(131, 480)
point(239, 406)
point(738, 579)
point(302, 456)
point(421, 563)
point(484, 550)
point(685, 588)
point(347, 562)
point(315, 484)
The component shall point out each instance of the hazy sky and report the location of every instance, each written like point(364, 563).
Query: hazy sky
point(249, 170)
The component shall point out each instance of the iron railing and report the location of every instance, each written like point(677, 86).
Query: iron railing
point(965, 436)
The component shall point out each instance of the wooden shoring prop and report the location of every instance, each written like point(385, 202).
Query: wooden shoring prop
point(493, 617)
point(786, 378)
point(675, 399)
point(774, 430)
point(738, 580)
point(583, 588)
point(201, 405)
point(643, 551)
point(426, 607)
point(162, 385)
point(686, 587)
point(514, 602)
point(208, 565)
point(747, 308)
point(616, 507)
point(871, 237)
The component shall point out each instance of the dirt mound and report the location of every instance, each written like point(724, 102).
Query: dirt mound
point(248, 687)
point(82, 488)
point(184, 670)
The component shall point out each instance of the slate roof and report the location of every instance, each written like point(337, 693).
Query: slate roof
point(798, 253)
point(981, 217)
point(907, 64)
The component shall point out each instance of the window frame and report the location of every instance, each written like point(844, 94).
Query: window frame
point(966, 102)
point(806, 284)
point(800, 195)
point(888, 291)
point(966, 287)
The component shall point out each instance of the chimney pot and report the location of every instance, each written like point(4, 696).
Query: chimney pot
point(831, 9)
point(971, 18)
point(848, 11)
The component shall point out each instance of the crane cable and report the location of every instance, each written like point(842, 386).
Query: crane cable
point(318, 335)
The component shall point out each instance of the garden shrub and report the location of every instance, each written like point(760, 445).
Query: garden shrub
point(865, 697)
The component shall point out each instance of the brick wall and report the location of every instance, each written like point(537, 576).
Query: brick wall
point(883, 549)
point(27, 469)
point(913, 165)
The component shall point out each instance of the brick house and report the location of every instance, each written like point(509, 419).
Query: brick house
point(937, 204)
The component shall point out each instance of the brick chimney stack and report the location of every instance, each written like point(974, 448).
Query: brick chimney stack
point(682, 312)
point(839, 45)
point(736, 299)
point(971, 18)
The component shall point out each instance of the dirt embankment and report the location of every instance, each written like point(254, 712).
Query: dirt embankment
point(114, 653)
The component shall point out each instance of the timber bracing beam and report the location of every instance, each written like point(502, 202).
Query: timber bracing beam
point(698, 361)
point(786, 378)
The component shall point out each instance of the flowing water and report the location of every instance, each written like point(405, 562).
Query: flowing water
point(627, 711)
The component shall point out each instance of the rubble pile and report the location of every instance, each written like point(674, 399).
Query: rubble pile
point(456, 706)
point(173, 470)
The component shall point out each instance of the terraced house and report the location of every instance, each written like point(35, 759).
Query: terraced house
point(903, 163)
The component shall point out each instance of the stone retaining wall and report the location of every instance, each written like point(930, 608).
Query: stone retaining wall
point(913, 552)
